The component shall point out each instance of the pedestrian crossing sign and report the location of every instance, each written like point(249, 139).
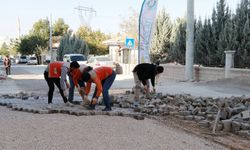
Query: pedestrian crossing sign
point(130, 42)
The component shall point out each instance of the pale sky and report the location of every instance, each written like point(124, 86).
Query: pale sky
point(110, 13)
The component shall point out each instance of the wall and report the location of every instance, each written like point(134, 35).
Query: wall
point(177, 72)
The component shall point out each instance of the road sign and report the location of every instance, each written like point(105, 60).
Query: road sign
point(130, 42)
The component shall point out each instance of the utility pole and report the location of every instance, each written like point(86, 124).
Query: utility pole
point(190, 41)
point(19, 28)
point(88, 12)
point(50, 40)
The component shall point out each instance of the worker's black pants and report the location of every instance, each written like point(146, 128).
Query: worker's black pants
point(51, 82)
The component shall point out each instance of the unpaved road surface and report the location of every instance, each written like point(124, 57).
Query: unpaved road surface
point(27, 131)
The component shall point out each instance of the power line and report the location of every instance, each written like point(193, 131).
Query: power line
point(86, 14)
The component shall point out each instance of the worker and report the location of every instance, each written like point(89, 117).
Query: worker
point(55, 73)
point(103, 77)
point(75, 75)
point(142, 73)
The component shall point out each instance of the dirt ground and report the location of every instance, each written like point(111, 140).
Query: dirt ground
point(229, 140)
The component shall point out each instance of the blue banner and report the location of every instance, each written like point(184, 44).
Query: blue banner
point(146, 26)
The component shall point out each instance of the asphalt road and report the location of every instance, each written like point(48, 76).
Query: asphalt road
point(28, 78)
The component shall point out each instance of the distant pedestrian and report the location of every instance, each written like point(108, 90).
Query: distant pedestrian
point(55, 73)
point(103, 77)
point(142, 74)
point(7, 64)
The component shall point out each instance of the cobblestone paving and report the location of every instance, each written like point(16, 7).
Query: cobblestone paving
point(40, 106)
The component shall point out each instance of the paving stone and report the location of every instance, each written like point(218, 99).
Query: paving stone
point(53, 111)
point(199, 118)
point(190, 117)
point(138, 117)
point(63, 111)
point(210, 117)
point(204, 123)
point(227, 125)
point(195, 111)
point(185, 113)
point(173, 113)
point(9, 105)
point(43, 111)
point(244, 133)
point(180, 117)
point(235, 126)
point(245, 126)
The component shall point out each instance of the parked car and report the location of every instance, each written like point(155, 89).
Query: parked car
point(97, 61)
point(32, 61)
point(23, 59)
point(80, 58)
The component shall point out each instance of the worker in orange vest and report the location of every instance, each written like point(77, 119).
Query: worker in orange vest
point(76, 72)
point(55, 73)
point(103, 77)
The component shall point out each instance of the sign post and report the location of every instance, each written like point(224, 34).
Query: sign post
point(130, 44)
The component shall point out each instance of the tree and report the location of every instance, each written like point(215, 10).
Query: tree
point(4, 49)
point(72, 44)
point(94, 40)
point(60, 28)
point(246, 45)
point(14, 43)
point(160, 45)
point(220, 16)
point(227, 40)
point(178, 42)
point(41, 28)
point(240, 27)
point(199, 43)
point(32, 45)
point(129, 26)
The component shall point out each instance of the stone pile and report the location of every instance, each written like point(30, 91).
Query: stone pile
point(234, 115)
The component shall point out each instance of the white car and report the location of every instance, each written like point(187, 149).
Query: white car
point(97, 61)
point(80, 58)
point(32, 61)
point(23, 59)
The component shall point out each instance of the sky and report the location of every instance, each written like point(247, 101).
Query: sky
point(109, 13)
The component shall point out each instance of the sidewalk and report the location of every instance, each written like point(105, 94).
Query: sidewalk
point(218, 88)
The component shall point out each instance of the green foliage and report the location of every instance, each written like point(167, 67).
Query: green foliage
point(178, 42)
point(60, 28)
point(223, 31)
point(4, 49)
point(94, 40)
point(41, 28)
point(241, 29)
point(32, 44)
point(200, 52)
point(14, 46)
point(72, 44)
point(160, 45)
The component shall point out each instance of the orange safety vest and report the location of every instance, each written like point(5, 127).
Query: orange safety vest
point(97, 75)
point(55, 69)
